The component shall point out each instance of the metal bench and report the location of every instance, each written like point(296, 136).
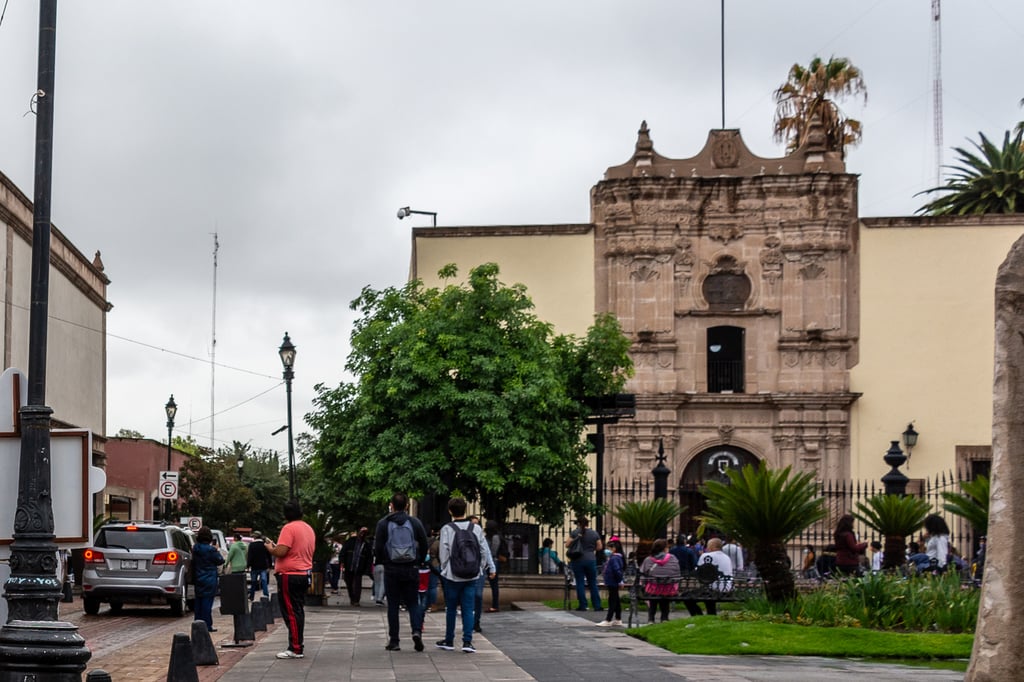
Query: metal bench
point(703, 584)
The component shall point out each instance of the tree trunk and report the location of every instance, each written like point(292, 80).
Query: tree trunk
point(894, 552)
point(773, 565)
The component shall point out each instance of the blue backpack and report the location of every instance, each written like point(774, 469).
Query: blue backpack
point(401, 544)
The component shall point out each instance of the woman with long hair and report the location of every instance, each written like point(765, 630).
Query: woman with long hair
point(936, 547)
point(848, 550)
point(205, 560)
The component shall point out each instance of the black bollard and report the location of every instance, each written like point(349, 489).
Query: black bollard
point(98, 676)
point(243, 628)
point(203, 651)
point(275, 608)
point(182, 667)
point(259, 621)
point(66, 595)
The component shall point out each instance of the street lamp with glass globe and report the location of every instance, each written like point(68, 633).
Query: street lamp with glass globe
point(287, 353)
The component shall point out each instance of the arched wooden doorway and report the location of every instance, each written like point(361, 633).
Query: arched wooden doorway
point(710, 465)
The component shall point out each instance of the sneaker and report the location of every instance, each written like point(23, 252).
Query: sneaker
point(288, 653)
point(467, 648)
point(417, 642)
point(447, 646)
point(617, 623)
point(392, 646)
point(604, 624)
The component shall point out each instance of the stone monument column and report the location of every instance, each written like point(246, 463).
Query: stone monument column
point(998, 653)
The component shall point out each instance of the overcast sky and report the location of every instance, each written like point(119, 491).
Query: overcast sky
point(295, 130)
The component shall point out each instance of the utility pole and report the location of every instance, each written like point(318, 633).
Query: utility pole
point(33, 645)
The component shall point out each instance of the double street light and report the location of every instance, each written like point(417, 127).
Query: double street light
point(287, 353)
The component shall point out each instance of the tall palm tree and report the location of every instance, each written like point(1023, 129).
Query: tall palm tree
point(894, 517)
point(808, 93)
point(990, 183)
point(764, 509)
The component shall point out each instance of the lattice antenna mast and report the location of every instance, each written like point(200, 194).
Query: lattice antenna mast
point(937, 86)
point(213, 343)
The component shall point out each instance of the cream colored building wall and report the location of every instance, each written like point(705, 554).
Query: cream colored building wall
point(926, 342)
point(555, 263)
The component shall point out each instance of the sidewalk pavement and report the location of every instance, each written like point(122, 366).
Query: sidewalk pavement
point(531, 643)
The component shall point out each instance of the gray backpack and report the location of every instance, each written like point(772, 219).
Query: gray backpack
point(401, 544)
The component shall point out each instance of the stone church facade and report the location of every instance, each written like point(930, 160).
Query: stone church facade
point(736, 278)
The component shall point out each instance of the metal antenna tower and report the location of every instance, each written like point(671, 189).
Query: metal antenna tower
point(213, 343)
point(937, 86)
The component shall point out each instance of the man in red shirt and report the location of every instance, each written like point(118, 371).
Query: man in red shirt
point(293, 568)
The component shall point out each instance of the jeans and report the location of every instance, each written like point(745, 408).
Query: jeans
point(586, 569)
point(335, 573)
point(204, 610)
point(378, 583)
point(401, 585)
point(258, 580)
point(614, 604)
point(478, 600)
point(494, 586)
point(432, 589)
point(459, 593)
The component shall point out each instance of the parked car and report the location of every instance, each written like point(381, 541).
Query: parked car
point(138, 561)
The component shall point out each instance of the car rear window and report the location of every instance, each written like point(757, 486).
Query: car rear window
point(141, 538)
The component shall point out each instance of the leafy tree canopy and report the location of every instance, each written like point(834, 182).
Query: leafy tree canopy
point(129, 433)
point(810, 92)
point(463, 390)
point(992, 182)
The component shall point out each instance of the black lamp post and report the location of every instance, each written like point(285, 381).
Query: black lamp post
point(287, 353)
point(34, 645)
point(241, 463)
point(660, 473)
point(171, 409)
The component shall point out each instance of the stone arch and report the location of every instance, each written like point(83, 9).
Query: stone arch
point(709, 463)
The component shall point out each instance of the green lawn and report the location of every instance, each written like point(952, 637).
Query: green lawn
point(722, 636)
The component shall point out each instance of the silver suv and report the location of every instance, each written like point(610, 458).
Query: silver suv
point(138, 561)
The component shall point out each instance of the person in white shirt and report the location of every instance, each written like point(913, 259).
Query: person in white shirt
point(715, 556)
point(735, 552)
point(876, 556)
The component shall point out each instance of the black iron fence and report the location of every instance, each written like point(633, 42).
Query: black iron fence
point(841, 497)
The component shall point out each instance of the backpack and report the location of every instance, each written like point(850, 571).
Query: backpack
point(503, 553)
point(464, 559)
point(401, 544)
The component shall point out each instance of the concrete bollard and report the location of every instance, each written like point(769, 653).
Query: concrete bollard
point(275, 608)
point(259, 621)
point(243, 628)
point(203, 651)
point(98, 676)
point(182, 667)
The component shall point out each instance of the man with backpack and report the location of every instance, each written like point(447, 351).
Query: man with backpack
point(401, 544)
point(463, 560)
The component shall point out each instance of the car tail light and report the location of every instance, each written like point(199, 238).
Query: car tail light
point(166, 558)
point(93, 556)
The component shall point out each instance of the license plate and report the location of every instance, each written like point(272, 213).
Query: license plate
point(129, 564)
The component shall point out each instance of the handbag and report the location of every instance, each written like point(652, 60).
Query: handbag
point(575, 549)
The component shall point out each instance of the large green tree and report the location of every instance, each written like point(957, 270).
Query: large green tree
point(211, 487)
point(989, 182)
point(463, 390)
point(809, 93)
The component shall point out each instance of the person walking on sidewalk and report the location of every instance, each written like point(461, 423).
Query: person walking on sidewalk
point(237, 555)
point(258, 559)
point(584, 567)
point(356, 556)
point(205, 560)
point(462, 551)
point(614, 575)
point(294, 571)
point(490, 569)
point(401, 543)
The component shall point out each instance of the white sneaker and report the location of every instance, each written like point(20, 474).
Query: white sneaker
point(604, 624)
point(617, 623)
point(288, 653)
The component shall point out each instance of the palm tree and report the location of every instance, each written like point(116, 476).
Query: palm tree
point(990, 183)
point(764, 510)
point(808, 93)
point(894, 517)
point(972, 504)
point(647, 520)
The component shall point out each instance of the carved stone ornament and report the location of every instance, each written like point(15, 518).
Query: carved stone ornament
point(812, 270)
point(725, 233)
point(644, 273)
point(726, 152)
point(725, 432)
